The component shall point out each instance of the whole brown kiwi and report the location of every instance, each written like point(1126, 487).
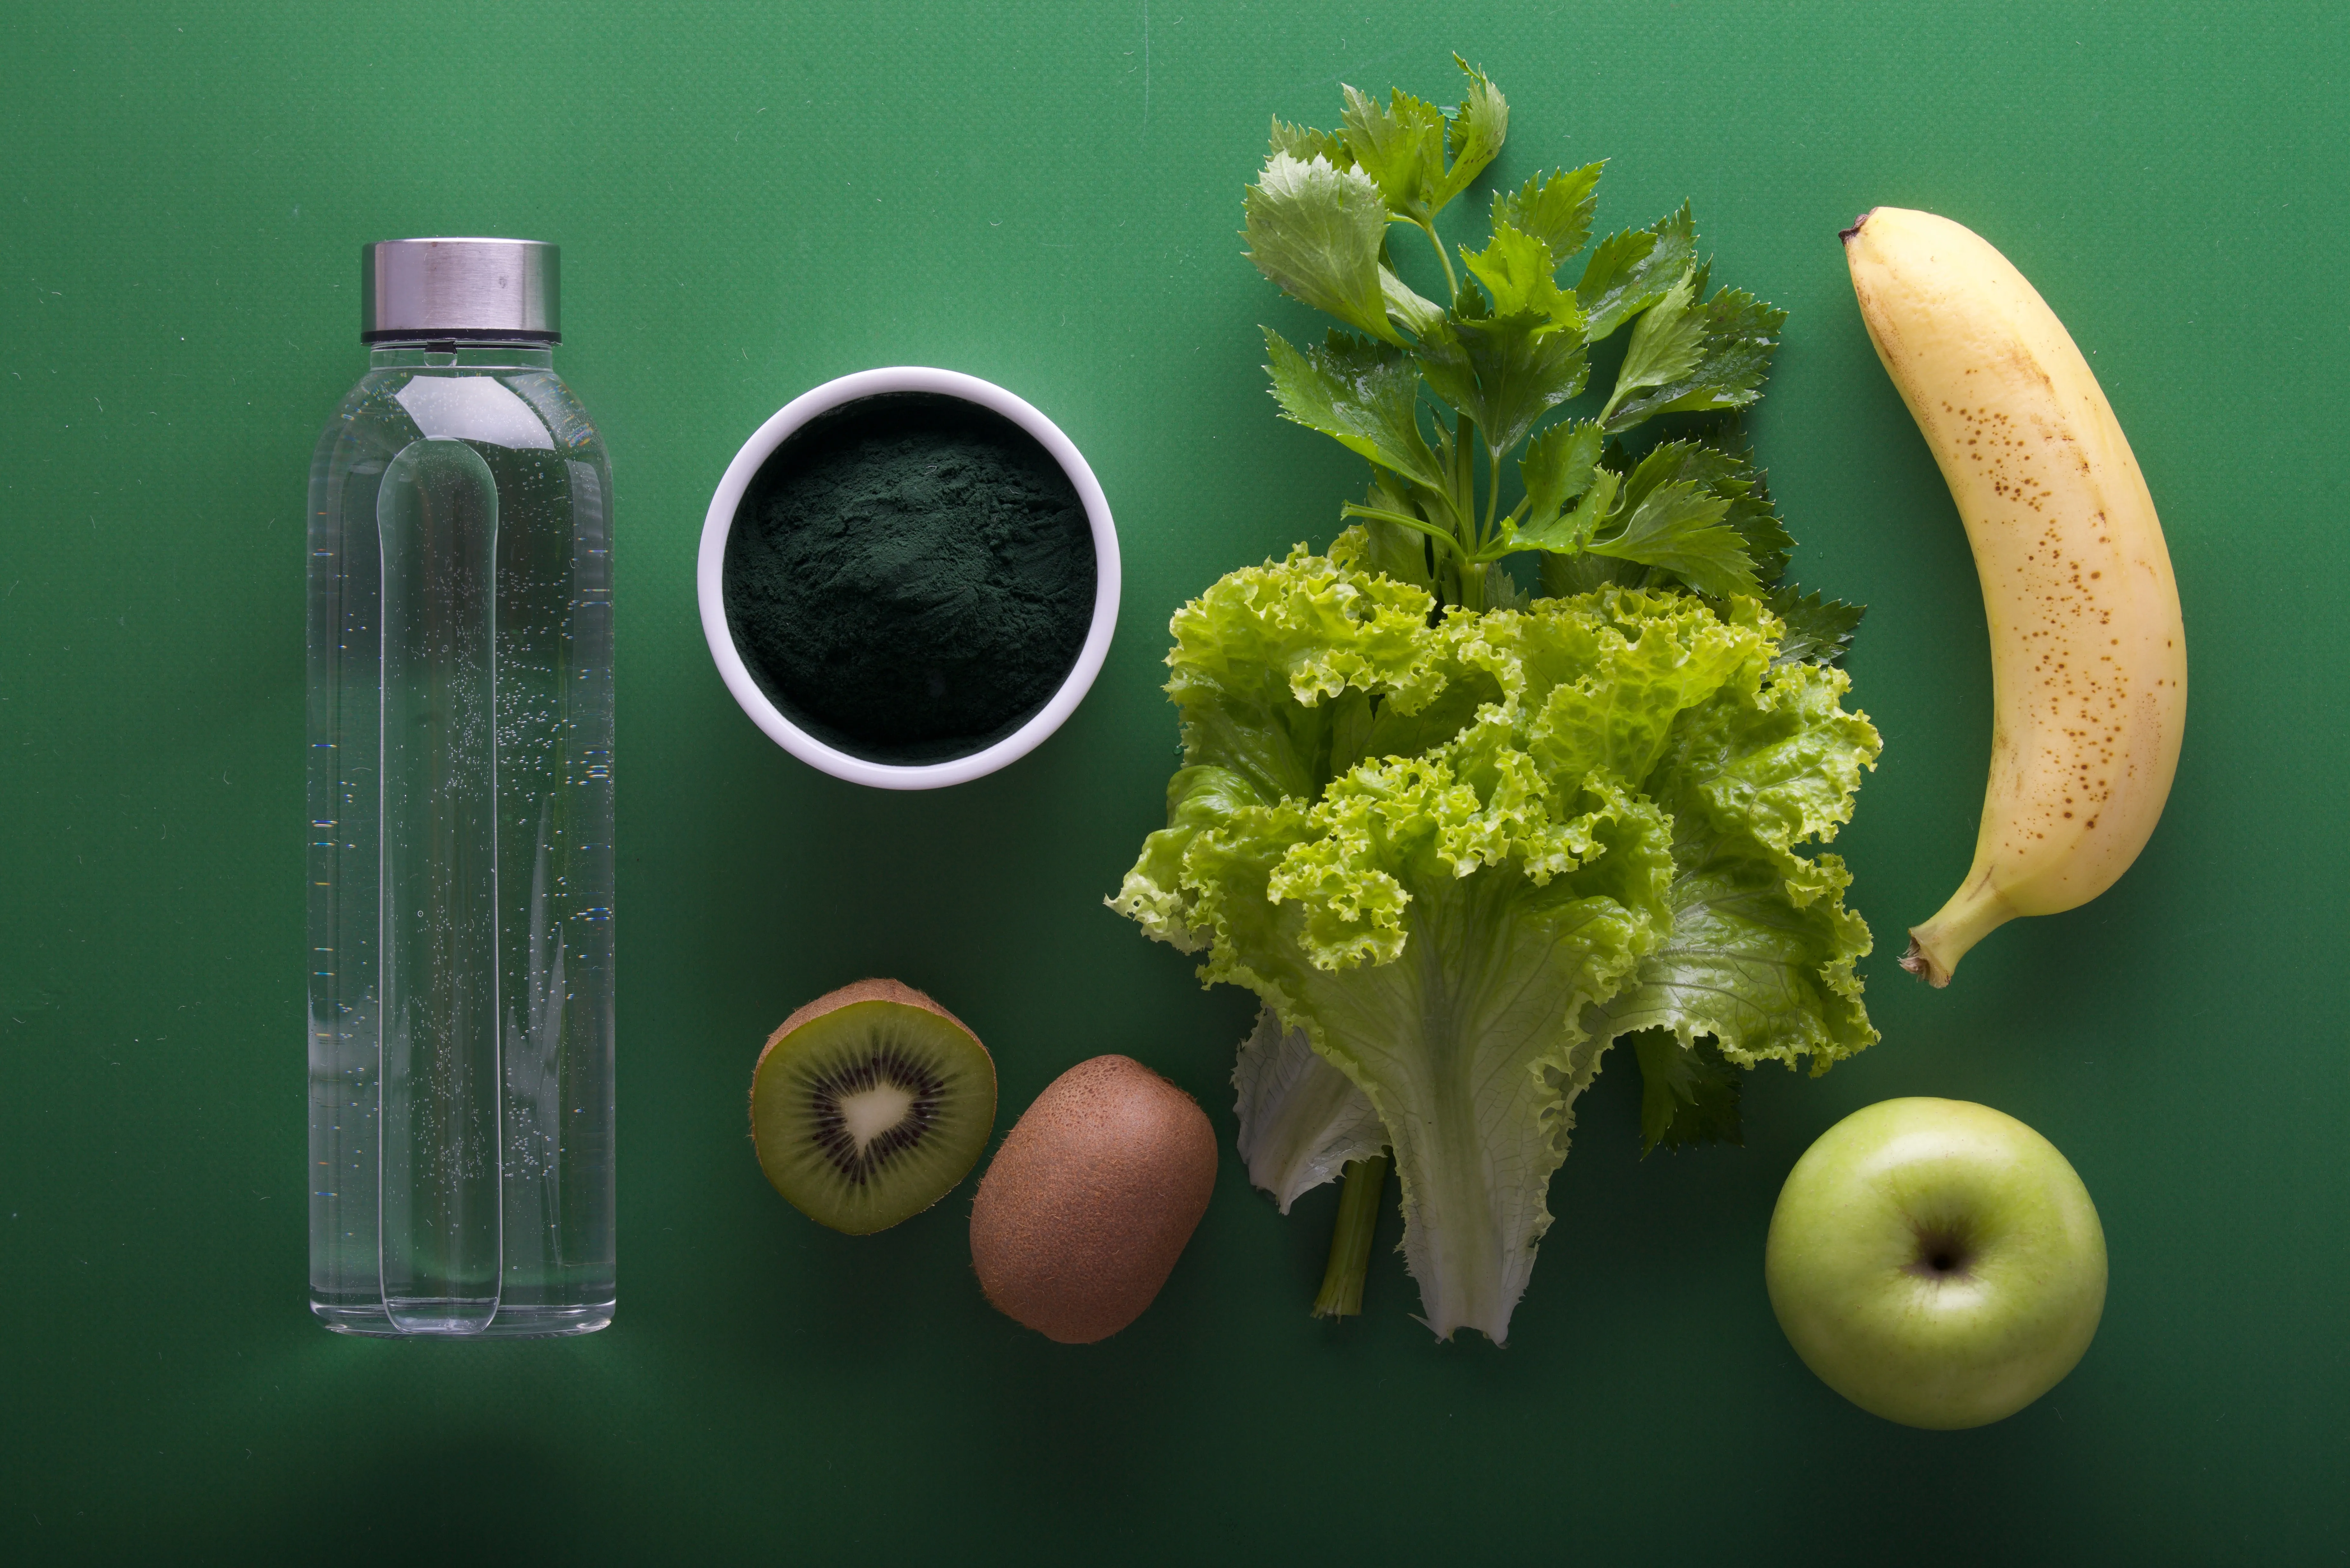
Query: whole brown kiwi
point(1086, 1207)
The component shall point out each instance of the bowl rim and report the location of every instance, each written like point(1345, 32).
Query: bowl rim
point(710, 567)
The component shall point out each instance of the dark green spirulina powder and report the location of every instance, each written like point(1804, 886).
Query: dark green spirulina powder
point(910, 577)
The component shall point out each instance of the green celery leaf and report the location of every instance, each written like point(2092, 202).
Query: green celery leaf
point(1561, 464)
point(1445, 364)
point(1505, 372)
point(1400, 145)
point(1819, 631)
point(1613, 286)
point(1469, 301)
point(1679, 528)
point(1315, 230)
point(1364, 394)
point(1629, 271)
point(1755, 516)
point(1732, 476)
point(1690, 462)
point(1555, 208)
point(1558, 466)
point(1419, 316)
point(1688, 1094)
point(1306, 144)
point(1569, 533)
point(1520, 272)
point(1476, 131)
point(1667, 341)
point(1563, 575)
point(1501, 590)
point(1739, 334)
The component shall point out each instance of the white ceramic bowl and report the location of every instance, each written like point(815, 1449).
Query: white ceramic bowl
point(712, 568)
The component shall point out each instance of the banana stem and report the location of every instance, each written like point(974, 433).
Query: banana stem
point(1351, 1239)
point(1974, 911)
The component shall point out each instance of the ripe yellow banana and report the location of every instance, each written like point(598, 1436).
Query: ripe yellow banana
point(2088, 656)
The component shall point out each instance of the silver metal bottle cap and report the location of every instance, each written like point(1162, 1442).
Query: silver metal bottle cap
point(505, 291)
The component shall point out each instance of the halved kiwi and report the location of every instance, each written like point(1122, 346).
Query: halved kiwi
point(869, 1103)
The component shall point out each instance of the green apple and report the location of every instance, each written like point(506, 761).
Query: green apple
point(1936, 1262)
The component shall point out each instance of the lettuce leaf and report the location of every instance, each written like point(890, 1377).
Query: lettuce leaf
point(1759, 966)
point(1301, 1118)
point(1460, 856)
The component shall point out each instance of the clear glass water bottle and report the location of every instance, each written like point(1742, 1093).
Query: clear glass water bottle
point(461, 815)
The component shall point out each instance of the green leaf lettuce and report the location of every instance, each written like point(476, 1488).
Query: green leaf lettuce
point(1461, 854)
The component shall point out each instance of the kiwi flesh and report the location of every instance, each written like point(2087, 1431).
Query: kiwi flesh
point(869, 1103)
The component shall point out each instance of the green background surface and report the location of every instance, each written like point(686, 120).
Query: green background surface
point(753, 199)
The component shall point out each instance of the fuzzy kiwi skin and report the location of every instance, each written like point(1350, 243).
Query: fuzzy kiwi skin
point(847, 995)
point(1085, 1209)
point(872, 990)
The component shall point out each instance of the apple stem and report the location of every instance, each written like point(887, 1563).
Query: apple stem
point(1351, 1239)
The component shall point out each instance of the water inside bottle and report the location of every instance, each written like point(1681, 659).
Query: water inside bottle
point(461, 998)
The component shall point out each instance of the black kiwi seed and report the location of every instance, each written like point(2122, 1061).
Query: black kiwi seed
point(869, 1103)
